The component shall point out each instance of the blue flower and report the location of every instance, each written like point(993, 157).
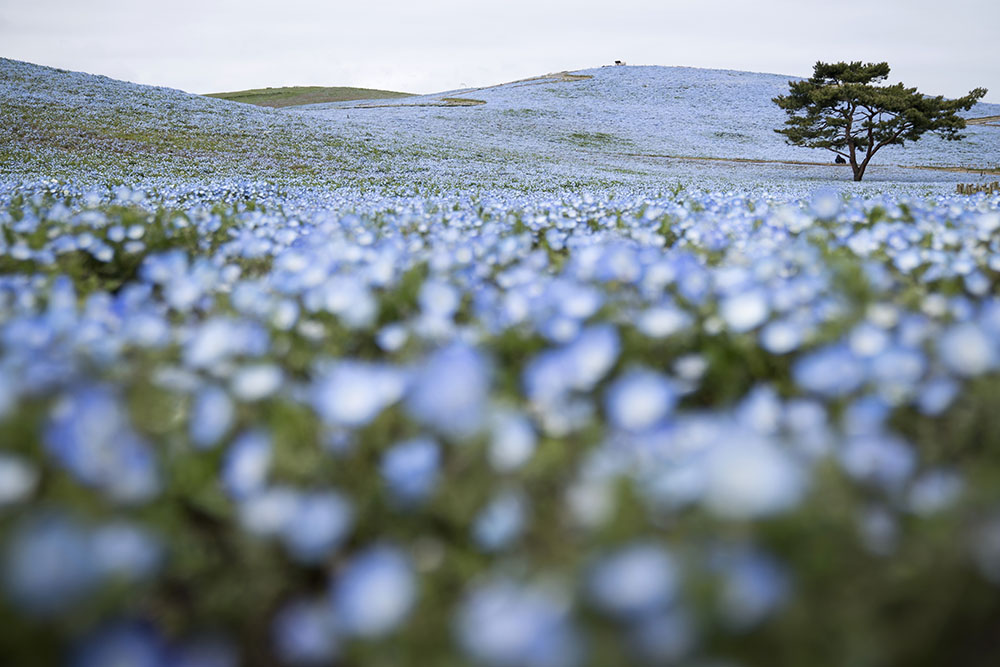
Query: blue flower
point(305, 633)
point(375, 592)
point(879, 458)
point(246, 464)
point(318, 523)
point(513, 441)
point(639, 400)
point(90, 436)
point(745, 311)
point(18, 479)
point(449, 391)
point(410, 469)
point(934, 491)
point(967, 350)
point(832, 371)
point(211, 416)
point(132, 644)
point(48, 564)
point(126, 551)
point(500, 522)
point(256, 382)
point(748, 477)
point(753, 586)
point(505, 624)
point(638, 580)
point(353, 393)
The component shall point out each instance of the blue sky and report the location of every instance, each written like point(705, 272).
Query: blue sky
point(206, 46)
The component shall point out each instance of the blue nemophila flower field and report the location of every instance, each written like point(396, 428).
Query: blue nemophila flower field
point(419, 419)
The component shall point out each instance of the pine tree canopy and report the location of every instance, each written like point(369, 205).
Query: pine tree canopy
point(847, 109)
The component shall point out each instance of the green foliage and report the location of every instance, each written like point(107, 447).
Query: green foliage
point(844, 109)
point(595, 139)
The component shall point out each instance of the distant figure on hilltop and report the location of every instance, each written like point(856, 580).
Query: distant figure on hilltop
point(619, 63)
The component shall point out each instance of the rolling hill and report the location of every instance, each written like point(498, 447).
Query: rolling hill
point(627, 126)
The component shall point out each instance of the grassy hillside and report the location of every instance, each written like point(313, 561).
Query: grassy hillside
point(629, 126)
point(290, 96)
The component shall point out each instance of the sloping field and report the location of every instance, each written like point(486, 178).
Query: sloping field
point(626, 125)
point(672, 111)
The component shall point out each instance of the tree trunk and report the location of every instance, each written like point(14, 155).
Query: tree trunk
point(859, 172)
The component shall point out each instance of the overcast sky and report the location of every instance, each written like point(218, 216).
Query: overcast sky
point(428, 46)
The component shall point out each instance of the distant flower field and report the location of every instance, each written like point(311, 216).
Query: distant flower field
point(520, 423)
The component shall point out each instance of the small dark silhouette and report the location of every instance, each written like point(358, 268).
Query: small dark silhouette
point(619, 63)
point(840, 160)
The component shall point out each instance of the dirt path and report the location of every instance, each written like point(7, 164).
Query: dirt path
point(985, 120)
point(740, 160)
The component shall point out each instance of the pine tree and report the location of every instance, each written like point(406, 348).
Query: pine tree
point(843, 109)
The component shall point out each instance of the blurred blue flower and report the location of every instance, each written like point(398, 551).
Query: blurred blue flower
point(90, 436)
point(501, 522)
point(638, 580)
point(878, 458)
point(663, 321)
point(411, 468)
point(375, 592)
point(18, 479)
point(936, 395)
point(503, 624)
point(753, 586)
point(781, 336)
point(48, 564)
point(212, 415)
point(664, 637)
point(246, 464)
point(934, 491)
point(267, 511)
point(127, 643)
point(449, 391)
point(125, 551)
point(826, 203)
point(831, 371)
point(748, 477)
point(256, 382)
point(353, 393)
point(438, 299)
point(219, 339)
point(745, 311)
point(318, 523)
point(513, 441)
point(967, 350)
point(577, 366)
point(305, 633)
point(639, 400)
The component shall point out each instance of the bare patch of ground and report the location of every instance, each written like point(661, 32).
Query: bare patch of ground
point(985, 120)
point(738, 160)
point(443, 102)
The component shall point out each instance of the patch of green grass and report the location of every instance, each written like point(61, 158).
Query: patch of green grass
point(462, 101)
point(290, 96)
point(596, 140)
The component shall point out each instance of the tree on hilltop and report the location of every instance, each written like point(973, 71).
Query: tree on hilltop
point(843, 109)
